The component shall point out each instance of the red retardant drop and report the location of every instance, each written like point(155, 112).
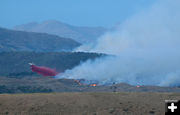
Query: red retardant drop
point(45, 71)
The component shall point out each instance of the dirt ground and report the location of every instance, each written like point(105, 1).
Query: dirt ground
point(118, 103)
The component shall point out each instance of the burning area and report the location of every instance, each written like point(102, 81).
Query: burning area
point(94, 85)
point(145, 48)
point(84, 82)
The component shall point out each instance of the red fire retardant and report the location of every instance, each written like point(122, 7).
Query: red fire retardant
point(45, 71)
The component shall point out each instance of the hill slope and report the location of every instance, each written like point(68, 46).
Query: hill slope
point(11, 40)
point(80, 34)
point(16, 63)
point(29, 84)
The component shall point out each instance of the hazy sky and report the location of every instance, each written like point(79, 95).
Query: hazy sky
point(76, 12)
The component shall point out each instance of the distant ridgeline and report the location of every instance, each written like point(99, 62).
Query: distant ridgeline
point(11, 40)
point(77, 33)
point(15, 64)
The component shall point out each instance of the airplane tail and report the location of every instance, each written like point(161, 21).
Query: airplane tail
point(31, 63)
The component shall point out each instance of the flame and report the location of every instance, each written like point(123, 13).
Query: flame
point(79, 82)
point(94, 85)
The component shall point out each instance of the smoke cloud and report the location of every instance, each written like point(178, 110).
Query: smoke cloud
point(146, 50)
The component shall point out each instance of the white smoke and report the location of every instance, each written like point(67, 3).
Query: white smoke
point(147, 49)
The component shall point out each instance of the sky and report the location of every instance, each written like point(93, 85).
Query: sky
point(106, 13)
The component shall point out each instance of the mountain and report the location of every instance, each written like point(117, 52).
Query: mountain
point(80, 34)
point(16, 63)
point(11, 40)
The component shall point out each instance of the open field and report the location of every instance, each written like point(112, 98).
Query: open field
point(118, 103)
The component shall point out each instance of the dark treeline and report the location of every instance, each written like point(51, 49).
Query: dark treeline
point(24, 89)
point(16, 63)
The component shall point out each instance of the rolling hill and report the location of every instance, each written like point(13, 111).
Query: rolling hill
point(11, 40)
point(80, 34)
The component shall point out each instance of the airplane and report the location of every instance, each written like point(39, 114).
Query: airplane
point(42, 70)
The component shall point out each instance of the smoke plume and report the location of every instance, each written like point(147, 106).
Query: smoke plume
point(146, 49)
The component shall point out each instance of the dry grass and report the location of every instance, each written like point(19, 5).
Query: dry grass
point(122, 103)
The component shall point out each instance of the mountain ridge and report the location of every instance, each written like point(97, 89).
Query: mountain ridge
point(13, 40)
point(82, 34)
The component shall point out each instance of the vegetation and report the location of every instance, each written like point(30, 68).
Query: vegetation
point(119, 103)
point(35, 84)
point(20, 79)
point(24, 89)
point(11, 40)
point(16, 63)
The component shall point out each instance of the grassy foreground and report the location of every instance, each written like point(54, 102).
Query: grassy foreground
point(122, 103)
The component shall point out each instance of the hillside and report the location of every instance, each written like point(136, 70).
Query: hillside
point(11, 40)
point(80, 34)
point(37, 84)
point(122, 103)
point(16, 63)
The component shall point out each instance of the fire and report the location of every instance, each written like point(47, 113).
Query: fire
point(85, 83)
point(94, 85)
